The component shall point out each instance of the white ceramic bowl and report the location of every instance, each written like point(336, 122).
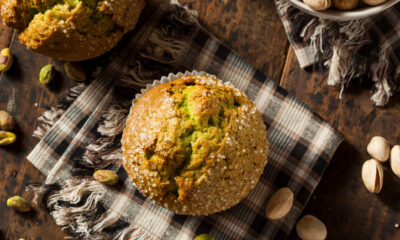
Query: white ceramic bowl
point(336, 15)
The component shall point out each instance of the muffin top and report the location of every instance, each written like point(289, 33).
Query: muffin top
point(194, 145)
point(71, 30)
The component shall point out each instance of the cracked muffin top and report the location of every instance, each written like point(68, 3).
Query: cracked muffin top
point(71, 30)
point(194, 145)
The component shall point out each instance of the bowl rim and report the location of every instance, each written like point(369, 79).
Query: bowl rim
point(337, 15)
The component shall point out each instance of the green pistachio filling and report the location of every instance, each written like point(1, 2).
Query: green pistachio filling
point(203, 119)
point(85, 15)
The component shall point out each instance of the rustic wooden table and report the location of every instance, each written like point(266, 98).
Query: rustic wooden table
point(253, 29)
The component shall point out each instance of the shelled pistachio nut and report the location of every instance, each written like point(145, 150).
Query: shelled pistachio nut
point(75, 72)
point(204, 236)
point(107, 177)
point(47, 74)
point(6, 138)
point(311, 228)
point(372, 175)
point(379, 148)
point(6, 60)
point(6, 121)
point(19, 204)
point(280, 204)
point(395, 160)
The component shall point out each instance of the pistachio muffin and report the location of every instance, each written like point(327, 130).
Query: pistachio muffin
point(194, 145)
point(71, 30)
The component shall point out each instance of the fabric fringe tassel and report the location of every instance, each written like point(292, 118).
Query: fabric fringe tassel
point(76, 207)
point(341, 47)
point(50, 117)
point(163, 48)
point(132, 232)
point(282, 6)
point(380, 75)
point(106, 150)
point(343, 64)
point(354, 36)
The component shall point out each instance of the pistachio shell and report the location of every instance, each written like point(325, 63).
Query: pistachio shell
point(395, 160)
point(345, 4)
point(6, 138)
point(379, 148)
point(311, 228)
point(107, 177)
point(372, 175)
point(373, 2)
point(6, 60)
point(75, 72)
point(6, 121)
point(318, 5)
point(280, 204)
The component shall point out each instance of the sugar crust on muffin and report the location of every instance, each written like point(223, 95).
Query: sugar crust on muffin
point(194, 145)
point(71, 30)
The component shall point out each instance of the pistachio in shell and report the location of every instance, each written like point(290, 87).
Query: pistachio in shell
point(311, 228)
point(6, 121)
point(379, 148)
point(395, 160)
point(318, 5)
point(372, 175)
point(280, 204)
point(74, 72)
point(373, 2)
point(6, 60)
point(345, 4)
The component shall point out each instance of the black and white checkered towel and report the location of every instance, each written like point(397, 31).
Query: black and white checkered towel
point(365, 50)
point(83, 134)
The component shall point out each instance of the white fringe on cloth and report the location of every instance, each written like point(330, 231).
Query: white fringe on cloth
point(49, 117)
point(79, 219)
point(345, 41)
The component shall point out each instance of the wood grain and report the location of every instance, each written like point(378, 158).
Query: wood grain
point(25, 98)
point(250, 27)
point(253, 29)
point(341, 201)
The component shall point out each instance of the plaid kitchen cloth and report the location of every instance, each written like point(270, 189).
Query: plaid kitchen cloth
point(366, 49)
point(86, 135)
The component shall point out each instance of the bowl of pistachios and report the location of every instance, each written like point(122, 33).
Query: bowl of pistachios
point(343, 10)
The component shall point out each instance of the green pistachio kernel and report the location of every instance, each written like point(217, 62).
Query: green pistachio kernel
point(75, 72)
point(6, 60)
point(107, 177)
point(47, 74)
point(204, 236)
point(19, 204)
point(6, 138)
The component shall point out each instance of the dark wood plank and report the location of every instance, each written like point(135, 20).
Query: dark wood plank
point(5, 35)
point(341, 200)
point(252, 28)
point(23, 95)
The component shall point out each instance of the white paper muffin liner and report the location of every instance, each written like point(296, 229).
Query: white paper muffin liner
point(171, 77)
